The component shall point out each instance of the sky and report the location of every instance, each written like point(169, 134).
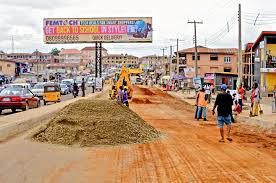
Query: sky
point(23, 20)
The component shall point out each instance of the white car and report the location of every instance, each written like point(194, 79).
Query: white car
point(38, 90)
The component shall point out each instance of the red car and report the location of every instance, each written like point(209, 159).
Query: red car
point(18, 98)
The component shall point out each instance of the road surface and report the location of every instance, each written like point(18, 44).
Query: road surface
point(188, 152)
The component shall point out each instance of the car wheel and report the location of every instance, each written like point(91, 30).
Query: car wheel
point(0, 111)
point(38, 104)
point(26, 107)
point(13, 110)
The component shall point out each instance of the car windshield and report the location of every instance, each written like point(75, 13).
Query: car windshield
point(12, 92)
point(63, 85)
point(39, 86)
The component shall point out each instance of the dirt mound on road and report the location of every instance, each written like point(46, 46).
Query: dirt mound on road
point(96, 122)
point(141, 101)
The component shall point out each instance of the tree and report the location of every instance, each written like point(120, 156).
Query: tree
point(55, 52)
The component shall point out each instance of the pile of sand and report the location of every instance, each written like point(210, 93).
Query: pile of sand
point(96, 122)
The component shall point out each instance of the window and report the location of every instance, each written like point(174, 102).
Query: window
point(227, 59)
point(198, 56)
point(214, 56)
point(227, 69)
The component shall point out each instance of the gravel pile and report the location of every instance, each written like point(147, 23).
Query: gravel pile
point(96, 122)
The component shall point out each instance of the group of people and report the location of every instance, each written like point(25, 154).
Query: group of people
point(224, 105)
point(76, 88)
point(121, 95)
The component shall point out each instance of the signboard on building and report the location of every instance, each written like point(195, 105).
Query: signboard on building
point(273, 70)
point(106, 30)
point(189, 72)
point(99, 83)
point(197, 82)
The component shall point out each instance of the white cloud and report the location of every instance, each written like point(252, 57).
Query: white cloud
point(23, 18)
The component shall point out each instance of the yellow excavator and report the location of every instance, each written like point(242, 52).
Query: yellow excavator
point(122, 79)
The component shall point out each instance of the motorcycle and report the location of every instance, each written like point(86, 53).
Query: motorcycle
point(75, 93)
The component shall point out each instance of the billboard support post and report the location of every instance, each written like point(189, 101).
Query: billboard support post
point(98, 60)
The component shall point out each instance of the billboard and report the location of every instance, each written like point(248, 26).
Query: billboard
point(90, 30)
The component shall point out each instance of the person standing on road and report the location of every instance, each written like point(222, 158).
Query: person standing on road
point(75, 90)
point(255, 101)
point(93, 86)
point(208, 92)
point(83, 87)
point(120, 95)
point(241, 92)
point(124, 99)
point(202, 104)
point(224, 103)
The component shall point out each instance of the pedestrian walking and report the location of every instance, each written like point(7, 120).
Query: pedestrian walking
point(208, 92)
point(201, 104)
point(83, 87)
point(196, 103)
point(224, 104)
point(255, 101)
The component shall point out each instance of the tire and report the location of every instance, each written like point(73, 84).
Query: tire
point(13, 110)
point(38, 104)
point(26, 107)
point(0, 111)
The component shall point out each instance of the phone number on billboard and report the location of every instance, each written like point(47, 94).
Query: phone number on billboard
point(68, 38)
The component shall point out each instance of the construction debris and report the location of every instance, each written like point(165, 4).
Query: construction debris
point(96, 122)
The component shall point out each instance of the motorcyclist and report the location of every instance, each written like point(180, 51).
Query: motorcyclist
point(75, 89)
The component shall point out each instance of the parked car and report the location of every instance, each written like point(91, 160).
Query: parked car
point(64, 90)
point(90, 81)
point(69, 83)
point(38, 90)
point(18, 98)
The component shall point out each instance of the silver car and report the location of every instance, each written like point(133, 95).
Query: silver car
point(38, 90)
point(64, 89)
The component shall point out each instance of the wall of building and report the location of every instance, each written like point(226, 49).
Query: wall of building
point(7, 67)
point(206, 65)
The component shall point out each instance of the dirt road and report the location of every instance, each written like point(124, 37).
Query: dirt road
point(188, 152)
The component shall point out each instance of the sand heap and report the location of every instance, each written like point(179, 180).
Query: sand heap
point(96, 122)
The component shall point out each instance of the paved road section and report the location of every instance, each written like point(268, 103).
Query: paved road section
point(16, 123)
point(189, 152)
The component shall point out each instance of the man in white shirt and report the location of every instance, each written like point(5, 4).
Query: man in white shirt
point(208, 92)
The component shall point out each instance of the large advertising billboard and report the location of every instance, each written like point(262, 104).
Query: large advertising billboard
point(89, 30)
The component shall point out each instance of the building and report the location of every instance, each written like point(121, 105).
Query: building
point(36, 56)
point(154, 63)
point(70, 56)
point(7, 67)
point(89, 55)
point(120, 59)
point(264, 64)
point(62, 68)
point(210, 60)
point(2, 55)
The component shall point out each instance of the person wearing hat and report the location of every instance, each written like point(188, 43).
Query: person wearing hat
point(224, 104)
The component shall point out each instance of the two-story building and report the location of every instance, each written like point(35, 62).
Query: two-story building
point(89, 55)
point(265, 61)
point(158, 64)
point(70, 56)
point(120, 59)
point(211, 60)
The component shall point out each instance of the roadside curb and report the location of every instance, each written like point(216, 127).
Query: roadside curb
point(15, 124)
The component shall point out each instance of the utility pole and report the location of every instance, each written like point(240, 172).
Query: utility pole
point(36, 55)
point(171, 61)
point(240, 67)
point(12, 44)
point(177, 64)
point(196, 64)
point(163, 49)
